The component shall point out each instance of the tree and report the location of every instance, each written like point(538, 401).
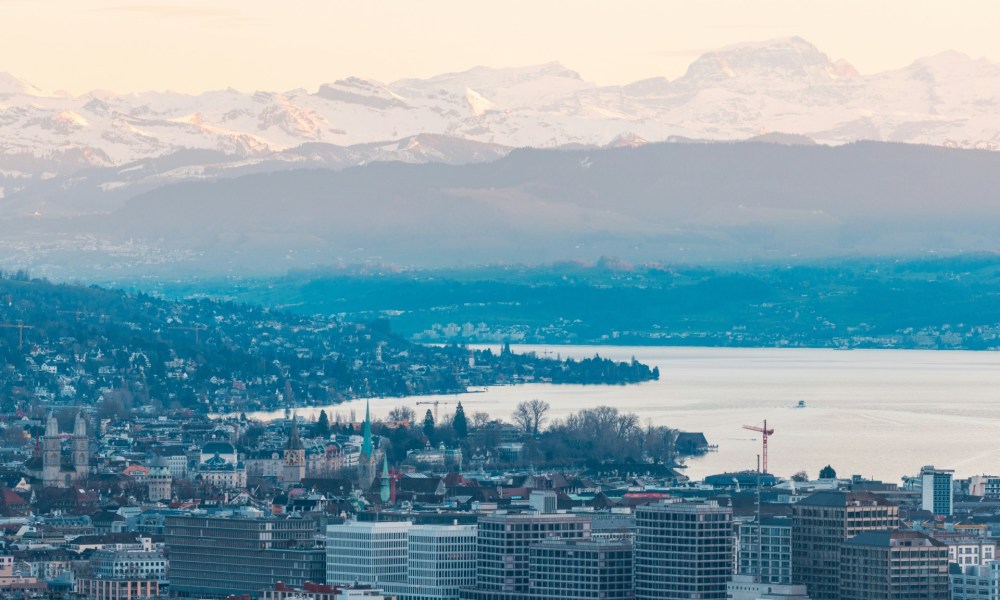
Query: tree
point(322, 425)
point(800, 477)
point(480, 419)
point(400, 414)
point(460, 423)
point(429, 425)
point(531, 415)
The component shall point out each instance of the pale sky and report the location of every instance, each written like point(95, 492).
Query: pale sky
point(195, 45)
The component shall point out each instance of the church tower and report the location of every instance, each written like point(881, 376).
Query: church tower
point(385, 493)
point(81, 448)
point(367, 461)
point(295, 456)
point(51, 454)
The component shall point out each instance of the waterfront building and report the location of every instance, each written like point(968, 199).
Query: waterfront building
point(368, 552)
point(503, 546)
point(821, 523)
point(984, 486)
point(937, 496)
point(581, 569)
point(976, 582)
point(893, 565)
point(766, 550)
point(213, 556)
point(683, 550)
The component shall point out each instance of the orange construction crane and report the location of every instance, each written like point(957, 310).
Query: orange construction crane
point(195, 329)
point(20, 331)
point(765, 433)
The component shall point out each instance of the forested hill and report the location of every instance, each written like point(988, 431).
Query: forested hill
point(124, 351)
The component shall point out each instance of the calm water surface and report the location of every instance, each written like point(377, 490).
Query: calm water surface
point(879, 413)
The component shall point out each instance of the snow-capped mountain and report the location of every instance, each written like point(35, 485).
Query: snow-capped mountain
point(112, 142)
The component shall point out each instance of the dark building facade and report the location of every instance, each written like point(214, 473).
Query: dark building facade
point(581, 569)
point(683, 550)
point(893, 565)
point(218, 556)
point(822, 522)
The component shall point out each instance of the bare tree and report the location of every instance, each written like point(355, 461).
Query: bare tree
point(531, 415)
point(480, 419)
point(402, 413)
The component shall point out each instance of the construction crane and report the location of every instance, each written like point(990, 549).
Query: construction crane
point(765, 433)
point(435, 403)
point(20, 331)
point(195, 329)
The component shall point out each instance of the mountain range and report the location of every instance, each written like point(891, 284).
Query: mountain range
point(674, 203)
point(62, 154)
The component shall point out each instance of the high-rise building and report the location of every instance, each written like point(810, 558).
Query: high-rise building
point(368, 552)
point(768, 556)
point(683, 550)
point(936, 491)
point(503, 544)
point(573, 569)
point(441, 559)
point(821, 523)
point(893, 565)
point(214, 556)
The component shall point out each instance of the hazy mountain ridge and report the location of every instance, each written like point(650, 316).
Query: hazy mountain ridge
point(679, 202)
point(785, 85)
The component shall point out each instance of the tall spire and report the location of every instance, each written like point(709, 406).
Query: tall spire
point(385, 493)
point(366, 445)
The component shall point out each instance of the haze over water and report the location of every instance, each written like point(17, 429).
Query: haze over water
point(878, 413)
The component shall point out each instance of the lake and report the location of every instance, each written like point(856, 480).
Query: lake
point(877, 413)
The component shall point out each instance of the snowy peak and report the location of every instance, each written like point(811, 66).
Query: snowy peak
point(785, 57)
point(13, 86)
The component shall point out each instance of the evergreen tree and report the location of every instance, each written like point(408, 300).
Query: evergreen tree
point(323, 424)
point(460, 423)
point(429, 424)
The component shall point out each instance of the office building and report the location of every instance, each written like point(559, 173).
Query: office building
point(214, 556)
point(683, 550)
point(503, 544)
point(367, 552)
point(976, 582)
point(581, 569)
point(441, 559)
point(893, 565)
point(821, 523)
point(936, 491)
point(770, 555)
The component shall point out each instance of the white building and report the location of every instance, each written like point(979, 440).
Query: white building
point(369, 552)
point(984, 485)
point(970, 551)
point(129, 564)
point(976, 583)
point(441, 559)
